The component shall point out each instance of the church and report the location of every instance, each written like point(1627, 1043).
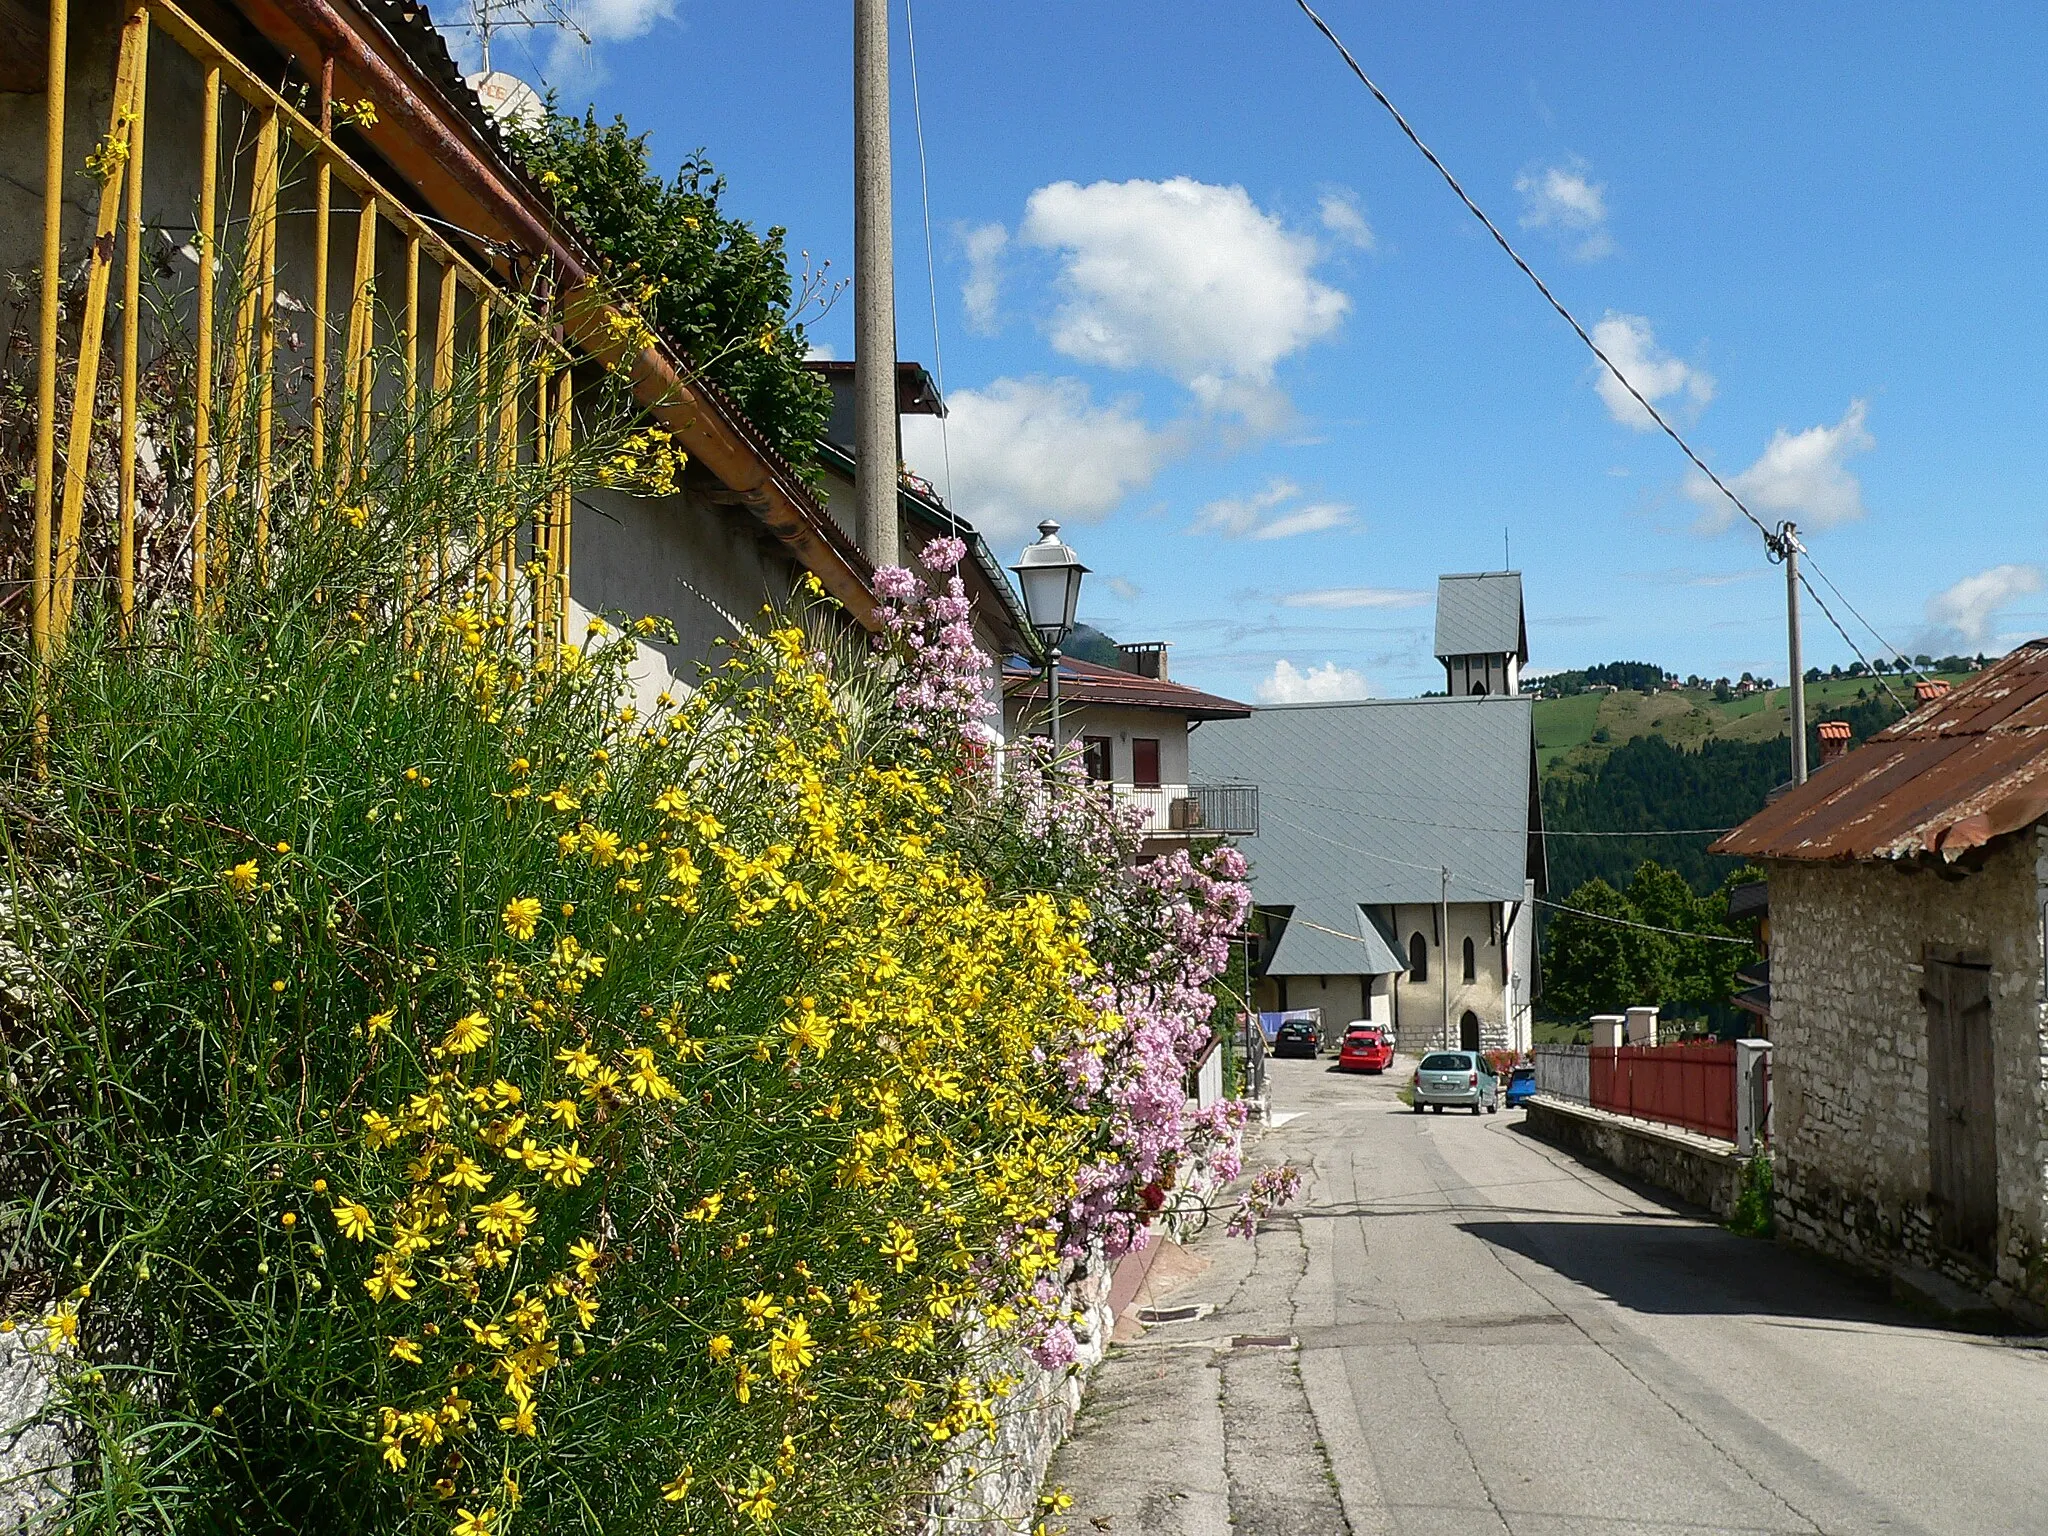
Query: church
point(1400, 846)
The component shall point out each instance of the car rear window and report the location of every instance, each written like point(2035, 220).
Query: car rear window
point(1525, 1074)
point(1444, 1061)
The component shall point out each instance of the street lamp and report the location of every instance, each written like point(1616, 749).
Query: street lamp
point(1050, 574)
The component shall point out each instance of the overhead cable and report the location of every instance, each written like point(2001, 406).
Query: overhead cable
point(924, 186)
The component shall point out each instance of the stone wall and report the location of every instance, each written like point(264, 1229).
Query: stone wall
point(1849, 1073)
point(35, 1463)
point(1697, 1169)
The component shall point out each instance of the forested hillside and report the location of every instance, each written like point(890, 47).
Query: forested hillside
point(1648, 785)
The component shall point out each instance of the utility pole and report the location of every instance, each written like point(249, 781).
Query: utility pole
point(1443, 953)
point(1790, 548)
point(876, 448)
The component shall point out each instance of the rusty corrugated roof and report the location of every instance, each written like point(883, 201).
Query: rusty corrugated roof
point(1087, 682)
point(1960, 770)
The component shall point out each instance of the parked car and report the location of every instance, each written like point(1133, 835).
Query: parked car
point(1459, 1079)
point(1366, 1049)
point(1521, 1086)
point(1297, 1037)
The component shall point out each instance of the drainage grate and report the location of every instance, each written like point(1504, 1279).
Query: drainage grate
point(1173, 1314)
point(1264, 1341)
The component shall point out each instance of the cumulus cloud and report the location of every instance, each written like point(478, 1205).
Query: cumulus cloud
point(1026, 449)
point(1318, 685)
point(603, 21)
point(984, 244)
point(1630, 342)
point(1344, 219)
point(1356, 597)
point(1270, 514)
point(1194, 280)
point(1564, 201)
point(1968, 609)
point(1799, 475)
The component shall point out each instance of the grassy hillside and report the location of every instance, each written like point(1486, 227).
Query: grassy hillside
point(1574, 734)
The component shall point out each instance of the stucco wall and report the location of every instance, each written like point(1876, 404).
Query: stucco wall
point(1419, 1005)
point(1850, 1086)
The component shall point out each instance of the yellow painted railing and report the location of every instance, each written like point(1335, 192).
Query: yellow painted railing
point(235, 405)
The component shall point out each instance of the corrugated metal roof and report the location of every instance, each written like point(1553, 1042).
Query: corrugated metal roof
point(1365, 803)
point(1480, 613)
point(1960, 770)
point(1326, 937)
point(1088, 682)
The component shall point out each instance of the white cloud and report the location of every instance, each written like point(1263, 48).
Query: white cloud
point(605, 21)
point(1318, 685)
point(1968, 609)
point(1343, 218)
point(1026, 449)
point(1356, 597)
point(1261, 515)
point(819, 352)
point(1561, 199)
point(1123, 588)
point(1190, 279)
point(1799, 475)
point(1630, 342)
point(985, 244)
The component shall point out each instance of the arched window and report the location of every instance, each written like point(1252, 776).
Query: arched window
point(1468, 1031)
point(1479, 689)
point(1471, 963)
point(1418, 958)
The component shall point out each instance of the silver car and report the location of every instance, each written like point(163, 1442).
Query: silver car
point(1461, 1079)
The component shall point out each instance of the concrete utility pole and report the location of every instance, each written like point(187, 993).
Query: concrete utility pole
point(1790, 547)
point(875, 429)
point(1443, 953)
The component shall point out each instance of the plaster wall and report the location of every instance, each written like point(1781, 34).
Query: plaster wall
point(1419, 1005)
point(1850, 1068)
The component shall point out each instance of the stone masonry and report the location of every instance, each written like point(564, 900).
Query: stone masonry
point(1850, 1072)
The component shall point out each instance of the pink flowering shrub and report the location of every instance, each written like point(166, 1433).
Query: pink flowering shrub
point(1160, 932)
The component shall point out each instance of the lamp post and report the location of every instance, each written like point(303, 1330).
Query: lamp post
point(1050, 574)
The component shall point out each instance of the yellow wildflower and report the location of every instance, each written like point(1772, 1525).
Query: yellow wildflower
point(406, 1350)
point(241, 878)
point(791, 1349)
point(521, 915)
point(719, 1346)
point(353, 1217)
point(477, 1524)
point(754, 1499)
point(467, 1035)
point(677, 1488)
point(760, 1309)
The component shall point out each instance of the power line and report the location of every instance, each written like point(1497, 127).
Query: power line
point(1880, 639)
point(1773, 541)
point(1622, 922)
point(924, 186)
point(1458, 826)
point(1821, 603)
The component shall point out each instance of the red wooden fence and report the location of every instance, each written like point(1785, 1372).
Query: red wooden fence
point(1692, 1086)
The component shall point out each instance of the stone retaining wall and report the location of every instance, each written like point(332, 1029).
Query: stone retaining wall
point(1697, 1169)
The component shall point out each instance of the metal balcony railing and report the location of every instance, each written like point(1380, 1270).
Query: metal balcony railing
point(1195, 810)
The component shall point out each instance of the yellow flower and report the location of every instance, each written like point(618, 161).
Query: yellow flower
point(743, 1383)
point(565, 1113)
point(477, 1524)
point(646, 1080)
point(677, 1488)
point(62, 1326)
point(861, 1299)
point(242, 878)
point(577, 1061)
point(465, 1174)
point(466, 1036)
point(568, 1165)
point(380, 1023)
point(519, 1421)
point(760, 1309)
point(560, 800)
point(900, 1245)
point(791, 1349)
point(585, 1253)
point(719, 1347)
point(520, 915)
point(389, 1279)
point(754, 1498)
point(353, 1218)
point(406, 1350)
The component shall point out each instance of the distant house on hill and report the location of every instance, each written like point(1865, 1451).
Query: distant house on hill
point(1908, 887)
point(1400, 842)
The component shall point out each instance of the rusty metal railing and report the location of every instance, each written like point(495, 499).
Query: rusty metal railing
point(232, 475)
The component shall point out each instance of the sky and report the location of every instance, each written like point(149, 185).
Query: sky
point(1201, 302)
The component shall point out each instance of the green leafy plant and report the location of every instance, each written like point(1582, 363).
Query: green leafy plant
point(1754, 1215)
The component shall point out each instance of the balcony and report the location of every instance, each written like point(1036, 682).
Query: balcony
point(1195, 810)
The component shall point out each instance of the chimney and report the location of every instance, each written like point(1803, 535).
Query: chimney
point(1834, 740)
point(1928, 689)
point(1147, 659)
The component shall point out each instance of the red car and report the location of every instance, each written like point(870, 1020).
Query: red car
point(1366, 1049)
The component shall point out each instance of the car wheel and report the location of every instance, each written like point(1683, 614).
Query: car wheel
point(1418, 1106)
point(1493, 1108)
point(1436, 1109)
point(1475, 1109)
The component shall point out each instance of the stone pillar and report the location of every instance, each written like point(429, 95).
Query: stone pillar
point(1607, 1031)
point(1642, 1026)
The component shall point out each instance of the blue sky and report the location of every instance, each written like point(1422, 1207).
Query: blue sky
point(1200, 301)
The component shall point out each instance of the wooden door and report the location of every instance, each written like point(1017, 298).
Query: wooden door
point(1962, 1128)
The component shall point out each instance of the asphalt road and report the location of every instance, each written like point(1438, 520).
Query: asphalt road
point(1480, 1334)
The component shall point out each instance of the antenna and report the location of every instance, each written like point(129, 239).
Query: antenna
point(489, 16)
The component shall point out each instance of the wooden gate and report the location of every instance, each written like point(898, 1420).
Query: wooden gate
point(1962, 1127)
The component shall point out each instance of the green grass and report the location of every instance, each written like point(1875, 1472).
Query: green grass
point(1578, 731)
point(1559, 1032)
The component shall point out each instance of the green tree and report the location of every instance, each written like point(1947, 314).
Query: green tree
point(706, 280)
point(1593, 966)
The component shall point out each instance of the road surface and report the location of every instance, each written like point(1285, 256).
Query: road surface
point(1462, 1330)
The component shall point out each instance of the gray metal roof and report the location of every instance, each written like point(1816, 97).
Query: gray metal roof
point(1480, 614)
point(1365, 803)
point(1326, 937)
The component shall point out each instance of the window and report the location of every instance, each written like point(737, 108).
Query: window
point(1145, 762)
point(1468, 1031)
point(1095, 757)
point(1418, 958)
point(1471, 963)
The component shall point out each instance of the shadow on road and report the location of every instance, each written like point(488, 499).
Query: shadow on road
point(1655, 1267)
